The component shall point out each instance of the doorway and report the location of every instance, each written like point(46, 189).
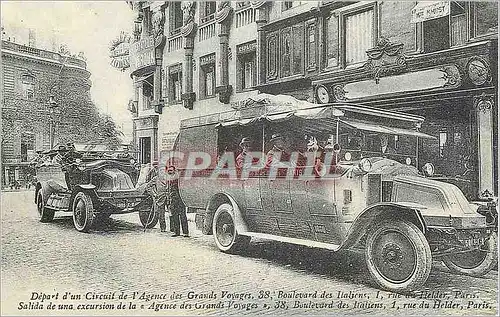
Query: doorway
point(145, 150)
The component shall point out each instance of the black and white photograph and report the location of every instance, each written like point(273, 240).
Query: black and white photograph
point(195, 158)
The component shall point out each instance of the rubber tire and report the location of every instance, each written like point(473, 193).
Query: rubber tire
point(423, 257)
point(490, 261)
point(44, 214)
point(89, 211)
point(238, 242)
point(144, 216)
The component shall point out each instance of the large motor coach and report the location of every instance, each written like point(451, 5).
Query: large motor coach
point(361, 183)
point(90, 182)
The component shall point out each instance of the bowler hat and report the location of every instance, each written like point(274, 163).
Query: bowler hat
point(245, 141)
point(275, 137)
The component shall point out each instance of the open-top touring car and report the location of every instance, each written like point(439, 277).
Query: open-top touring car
point(364, 196)
point(91, 182)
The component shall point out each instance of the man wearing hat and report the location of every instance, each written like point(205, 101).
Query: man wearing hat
point(175, 203)
point(240, 159)
point(278, 156)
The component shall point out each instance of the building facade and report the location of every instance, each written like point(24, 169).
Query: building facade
point(30, 116)
point(435, 59)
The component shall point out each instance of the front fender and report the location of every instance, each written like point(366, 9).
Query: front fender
point(381, 211)
point(219, 199)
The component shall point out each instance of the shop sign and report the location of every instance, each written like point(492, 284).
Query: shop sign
point(168, 141)
point(142, 53)
point(119, 51)
point(425, 10)
point(447, 76)
point(246, 48)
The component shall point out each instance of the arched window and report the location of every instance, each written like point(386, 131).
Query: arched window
point(28, 86)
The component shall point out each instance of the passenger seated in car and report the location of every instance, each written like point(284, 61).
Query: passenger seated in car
point(385, 148)
point(242, 159)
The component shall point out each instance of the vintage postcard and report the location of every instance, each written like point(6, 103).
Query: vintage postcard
point(167, 158)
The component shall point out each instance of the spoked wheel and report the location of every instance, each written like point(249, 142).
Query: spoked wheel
point(44, 214)
point(83, 212)
point(224, 230)
point(476, 262)
point(148, 219)
point(398, 256)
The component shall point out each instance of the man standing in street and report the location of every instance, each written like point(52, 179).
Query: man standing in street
point(175, 204)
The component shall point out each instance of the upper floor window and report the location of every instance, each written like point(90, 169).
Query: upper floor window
point(485, 17)
point(349, 34)
point(286, 5)
point(465, 20)
point(242, 4)
point(358, 36)
point(175, 83)
point(207, 76)
point(175, 17)
point(28, 86)
point(207, 12)
point(27, 146)
point(147, 92)
point(246, 67)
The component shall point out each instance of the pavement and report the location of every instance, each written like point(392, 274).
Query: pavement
point(121, 269)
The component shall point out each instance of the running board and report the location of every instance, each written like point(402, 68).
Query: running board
point(307, 243)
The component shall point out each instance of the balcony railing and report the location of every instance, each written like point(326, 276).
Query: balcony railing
point(23, 49)
point(206, 31)
point(245, 16)
point(175, 43)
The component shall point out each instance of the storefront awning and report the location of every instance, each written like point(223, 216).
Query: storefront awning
point(366, 126)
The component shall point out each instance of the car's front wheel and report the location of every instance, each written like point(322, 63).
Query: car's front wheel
point(44, 214)
point(149, 218)
point(226, 236)
point(398, 256)
point(83, 212)
point(476, 262)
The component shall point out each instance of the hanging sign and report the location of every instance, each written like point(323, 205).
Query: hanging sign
point(119, 51)
point(425, 10)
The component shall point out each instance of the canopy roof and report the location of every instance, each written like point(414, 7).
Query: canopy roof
point(279, 108)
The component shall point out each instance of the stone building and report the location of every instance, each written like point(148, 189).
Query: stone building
point(30, 77)
point(436, 59)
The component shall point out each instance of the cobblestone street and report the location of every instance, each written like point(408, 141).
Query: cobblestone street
point(118, 262)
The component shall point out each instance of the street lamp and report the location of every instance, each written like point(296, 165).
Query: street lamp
point(52, 105)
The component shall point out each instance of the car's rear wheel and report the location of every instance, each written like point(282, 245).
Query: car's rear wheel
point(83, 212)
point(149, 218)
point(226, 236)
point(398, 256)
point(44, 214)
point(477, 262)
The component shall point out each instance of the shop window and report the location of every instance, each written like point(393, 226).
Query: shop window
point(359, 36)
point(175, 83)
point(175, 17)
point(207, 76)
point(27, 147)
point(246, 71)
point(28, 86)
point(485, 17)
point(207, 12)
